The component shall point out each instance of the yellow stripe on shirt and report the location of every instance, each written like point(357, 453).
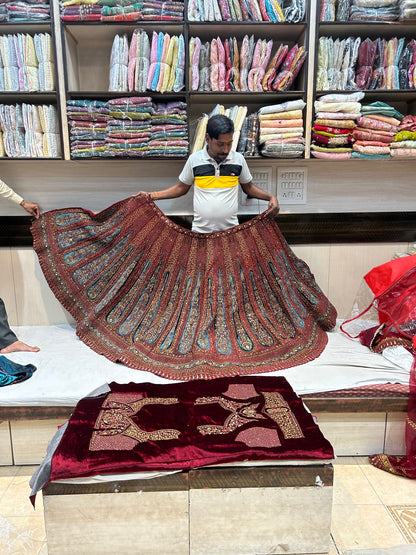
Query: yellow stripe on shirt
point(212, 182)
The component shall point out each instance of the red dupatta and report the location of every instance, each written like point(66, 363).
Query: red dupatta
point(394, 287)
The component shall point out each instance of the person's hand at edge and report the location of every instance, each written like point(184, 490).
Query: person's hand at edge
point(32, 208)
point(274, 206)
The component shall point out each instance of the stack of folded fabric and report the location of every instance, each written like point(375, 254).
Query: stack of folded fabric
point(291, 11)
point(281, 130)
point(27, 63)
point(407, 10)
point(11, 122)
point(336, 63)
point(156, 66)
point(374, 10)
point(127, 127)
point(128, 138)
point(335, 117)
point(169, 134)
point(24, 129)
point(404, 144)
point(144, 10)
point(25, 11)
point(33, 131)
point(51, 140)
point(87, 121)
point(375, 131)
point(222, 65)
point(44, 53)
point(81, 10)
point(119, 61)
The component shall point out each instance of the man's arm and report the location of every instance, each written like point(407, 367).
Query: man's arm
point(7, 192)
point(253, 191)
point(175, 191)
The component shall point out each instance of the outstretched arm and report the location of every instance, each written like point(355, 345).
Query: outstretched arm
point(253, 191)
point(175, 191)
point(31, 207)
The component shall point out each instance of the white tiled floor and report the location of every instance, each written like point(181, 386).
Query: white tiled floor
point(371, 509)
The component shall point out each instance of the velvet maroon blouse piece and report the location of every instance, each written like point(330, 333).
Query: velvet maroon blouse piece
point(137, 427)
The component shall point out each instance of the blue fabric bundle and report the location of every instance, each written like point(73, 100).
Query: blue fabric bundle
point(12, 372)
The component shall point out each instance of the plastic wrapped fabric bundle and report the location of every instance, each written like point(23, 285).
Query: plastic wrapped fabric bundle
point(407, 10)
point(118, 80)
point(365, 63)
point(290, 68)
point(274, 66)
point(10, 68)
point(322, 81)
point(44, 53)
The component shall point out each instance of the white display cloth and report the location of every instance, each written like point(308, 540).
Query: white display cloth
point(68, 370)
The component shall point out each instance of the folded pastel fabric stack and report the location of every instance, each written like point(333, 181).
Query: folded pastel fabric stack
point(375, 131)
point(337, 60)
point(335, 119)
point(281, 131)
point(26, 63)
point(290, 11)
point(119, 64)
point(44, 53)
point(224, 65)
point(29, 131)
point(404, 144)
point(87, 120)
point(127, 127)
point(51, 140)
point(156, 65)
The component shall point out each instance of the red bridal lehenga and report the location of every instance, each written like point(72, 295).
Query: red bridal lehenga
point(393, 308)
point(184, 305)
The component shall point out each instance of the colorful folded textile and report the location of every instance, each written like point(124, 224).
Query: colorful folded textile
point(335, 123)
point(127, 127)
point(280, 135)
point(247, 10)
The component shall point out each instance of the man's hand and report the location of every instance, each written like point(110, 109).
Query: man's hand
point(32, 208)
point(274, 206)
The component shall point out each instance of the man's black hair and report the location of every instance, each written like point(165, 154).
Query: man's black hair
point(219, 125)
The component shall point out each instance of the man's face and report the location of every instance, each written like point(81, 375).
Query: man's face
point(219, 148)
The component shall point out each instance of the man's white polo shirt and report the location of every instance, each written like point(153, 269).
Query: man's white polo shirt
point(216, 189)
